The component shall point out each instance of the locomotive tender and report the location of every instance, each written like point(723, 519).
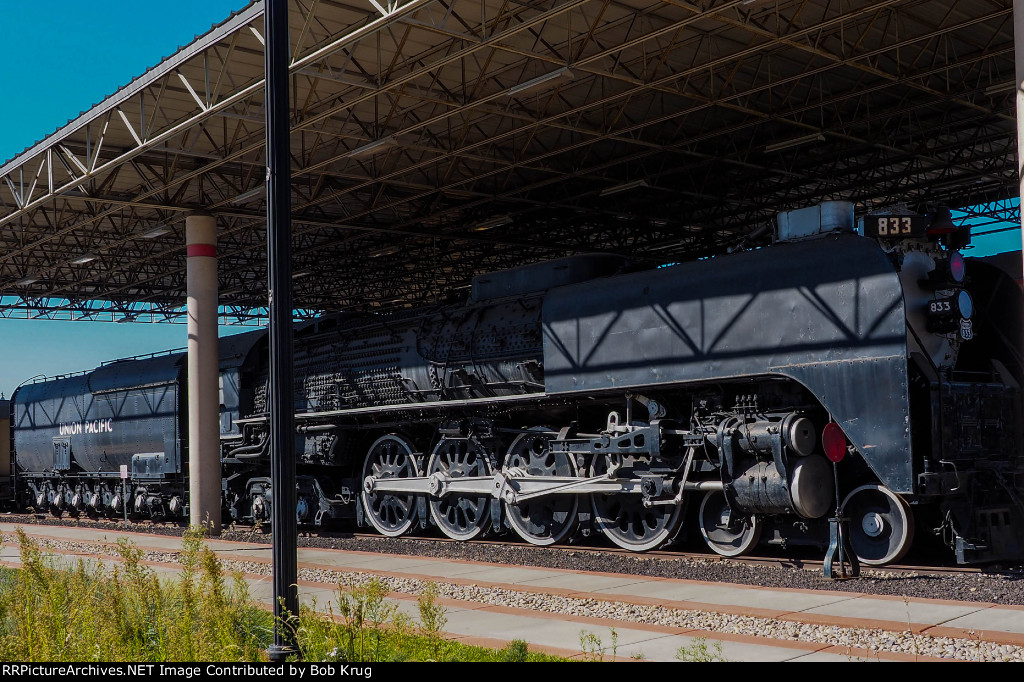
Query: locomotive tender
point(584, 395)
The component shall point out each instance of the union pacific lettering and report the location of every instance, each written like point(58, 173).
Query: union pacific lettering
point(92, 426)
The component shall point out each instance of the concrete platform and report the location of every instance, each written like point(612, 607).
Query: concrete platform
point(496, 625)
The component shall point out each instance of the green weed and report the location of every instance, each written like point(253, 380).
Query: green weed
point(593, 647)
point(89, 611)
point(700, 652)
point(52, 610)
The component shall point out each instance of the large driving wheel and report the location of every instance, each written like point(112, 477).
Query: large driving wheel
point(881, 524)
point(390, 513)
point(548, 519)
point(726, 532)
point(625, 520)
point(460, 517)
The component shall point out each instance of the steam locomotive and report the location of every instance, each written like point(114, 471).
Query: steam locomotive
point(863, 365)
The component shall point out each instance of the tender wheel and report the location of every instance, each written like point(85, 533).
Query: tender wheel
point(75, 505)
point(113, 510)
point(460, 517)
point(390, 513)
point(727, 534)
point(549, 519)
point(626, 521)
point(881, 524)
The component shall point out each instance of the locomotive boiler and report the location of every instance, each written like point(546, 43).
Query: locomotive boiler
point(724, 399)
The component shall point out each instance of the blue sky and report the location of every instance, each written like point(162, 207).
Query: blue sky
point(60, 57)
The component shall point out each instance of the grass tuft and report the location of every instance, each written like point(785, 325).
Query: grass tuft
point(89, 611)
point(58, 611)
point(699, 652)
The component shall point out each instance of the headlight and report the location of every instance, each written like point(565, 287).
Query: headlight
point(957, 267)
point(944, 314)
point(965, 305)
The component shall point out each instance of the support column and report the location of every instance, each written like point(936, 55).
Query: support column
point(203, 370)
point(1018, 70)
point(281, 395)
point(1018, 63)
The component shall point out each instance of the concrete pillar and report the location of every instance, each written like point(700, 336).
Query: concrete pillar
point(203, 369)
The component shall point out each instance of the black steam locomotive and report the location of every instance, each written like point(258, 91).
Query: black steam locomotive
point(727, 396)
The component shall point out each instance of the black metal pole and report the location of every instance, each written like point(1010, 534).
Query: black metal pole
point(279, 273)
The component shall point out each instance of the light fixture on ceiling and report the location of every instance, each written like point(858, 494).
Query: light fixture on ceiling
point(795, 142)
point(371, 148)
point(245, 196)
point(304, 273)
point(496, 221)
point(386, 251)
point(82, 260)
point(624, 187)
point(999, 88)
point(663, 247)
point(563, 73)
point(155, 232)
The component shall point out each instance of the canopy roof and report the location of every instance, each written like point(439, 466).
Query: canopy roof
point(436, 139)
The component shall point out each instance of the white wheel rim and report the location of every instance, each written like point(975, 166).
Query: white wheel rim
point(667, 521)
point(404, 526)
point(744, 541)
point(881, 524)
point(513, 511)
point(459, 506)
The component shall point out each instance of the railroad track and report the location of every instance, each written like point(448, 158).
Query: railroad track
point(593, 548)
point(764, 558)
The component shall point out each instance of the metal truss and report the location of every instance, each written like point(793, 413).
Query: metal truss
point(990, 218)
point(433, 140)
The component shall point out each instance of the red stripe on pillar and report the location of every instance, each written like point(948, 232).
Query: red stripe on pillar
point(202, 250)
